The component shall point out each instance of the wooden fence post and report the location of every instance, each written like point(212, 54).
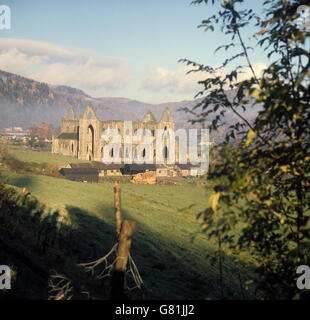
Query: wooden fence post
point(124, 231)
point(119, 274)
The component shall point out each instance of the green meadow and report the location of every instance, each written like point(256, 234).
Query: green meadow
point(29, 155)
point(172, 266)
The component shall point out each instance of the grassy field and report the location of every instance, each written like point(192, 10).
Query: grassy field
point(171, 265)
point(40, 157)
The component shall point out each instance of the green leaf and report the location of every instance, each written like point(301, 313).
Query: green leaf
point(251, 134)
point(213, 201)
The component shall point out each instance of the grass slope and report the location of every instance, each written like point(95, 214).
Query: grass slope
point(171, 265)
point(40, 157)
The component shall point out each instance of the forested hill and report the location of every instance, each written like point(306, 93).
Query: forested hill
point(25, 102)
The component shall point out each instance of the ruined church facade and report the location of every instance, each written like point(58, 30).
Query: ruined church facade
point(82, 138)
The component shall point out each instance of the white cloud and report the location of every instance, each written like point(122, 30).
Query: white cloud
point(179, 82)
point(57, 65)
point(98, 74)
point(175, 81)
point(15, 61)
point(247, 72)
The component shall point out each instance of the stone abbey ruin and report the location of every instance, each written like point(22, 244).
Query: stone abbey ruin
point(82, 138)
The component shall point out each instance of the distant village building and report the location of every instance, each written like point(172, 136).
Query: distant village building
point(102, 168)
point(166, 171)
point(131, 169)
point(81, 174)
point(185, 169)
point(15, 133)
point(94, 170)
point(117, 170)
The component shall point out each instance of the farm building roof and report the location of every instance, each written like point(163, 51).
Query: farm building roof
point(97, 165)
point(78, 170)
point(140, 167)
point(134, 168)
point(112, 166)
point(80, 174)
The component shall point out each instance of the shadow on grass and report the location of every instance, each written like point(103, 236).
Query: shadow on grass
point(17, 180)
point(167, 274)
point(170, 269)
point(35, 240)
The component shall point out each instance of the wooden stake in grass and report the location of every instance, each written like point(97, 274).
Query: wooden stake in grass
point(117, 205)
point(119, 274)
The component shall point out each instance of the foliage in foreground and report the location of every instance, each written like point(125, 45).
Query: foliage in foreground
point(261, 182)
point(39, 243)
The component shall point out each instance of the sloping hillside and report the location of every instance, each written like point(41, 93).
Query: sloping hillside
point(25, 102)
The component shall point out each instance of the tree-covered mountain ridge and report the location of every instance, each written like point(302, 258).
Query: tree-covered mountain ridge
point(26, 102)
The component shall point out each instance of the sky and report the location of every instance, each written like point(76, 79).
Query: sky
point(124, 48)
